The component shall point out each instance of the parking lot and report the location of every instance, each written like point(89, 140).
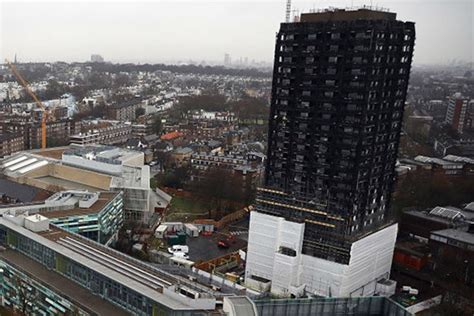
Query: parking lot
point(204, 248)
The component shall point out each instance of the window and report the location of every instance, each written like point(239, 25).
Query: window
point(330, 82)
point(329, 94)
point(287, 251)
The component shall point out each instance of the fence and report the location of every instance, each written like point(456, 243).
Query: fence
point(229, 218)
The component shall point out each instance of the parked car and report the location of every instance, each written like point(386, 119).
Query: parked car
point(181, 255)
point(178, 248)
point(222, 244)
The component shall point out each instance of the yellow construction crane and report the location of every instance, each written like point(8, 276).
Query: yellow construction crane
point(38, 102)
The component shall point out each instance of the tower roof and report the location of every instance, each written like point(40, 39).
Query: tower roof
point(347, 15)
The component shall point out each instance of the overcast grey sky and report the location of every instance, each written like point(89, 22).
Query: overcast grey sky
point(156, 31)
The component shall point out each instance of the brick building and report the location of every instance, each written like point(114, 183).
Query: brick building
point(11, 143)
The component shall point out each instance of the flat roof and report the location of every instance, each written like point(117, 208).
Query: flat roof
point(104, 199)
point(55, 153)
point(61, 285)
point(103, 153)
point(437, 161)
point(136, 275)
point(456, 234)
point(23, 192)
point(427, 216)
point(334, 15)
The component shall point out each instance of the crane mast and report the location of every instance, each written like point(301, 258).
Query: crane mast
point(38, 102)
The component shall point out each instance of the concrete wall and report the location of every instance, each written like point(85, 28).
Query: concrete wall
point(85, 177)
point(41, 171)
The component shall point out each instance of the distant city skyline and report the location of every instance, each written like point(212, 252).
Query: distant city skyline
point(166, 31)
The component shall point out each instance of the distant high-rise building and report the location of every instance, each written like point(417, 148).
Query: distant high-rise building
point(95, 58)
point(460, 113)
point(227, 60)
point(322, 223)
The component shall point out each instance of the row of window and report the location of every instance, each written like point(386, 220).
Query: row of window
point(336, 35)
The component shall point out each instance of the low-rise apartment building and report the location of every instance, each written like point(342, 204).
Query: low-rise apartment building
point(11, 143)
point(124, 111)
point(57, 132)
point(111, 134)
point(202, 163)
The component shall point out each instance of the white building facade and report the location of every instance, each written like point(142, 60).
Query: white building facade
point(275, 261)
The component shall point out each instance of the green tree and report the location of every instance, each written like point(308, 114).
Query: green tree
point(250, 108)
point(221, 190)
point(422, 189)
point(139, 112)
point(207, 102)
point(121, 80)
point(54, 90)
point(176, 178)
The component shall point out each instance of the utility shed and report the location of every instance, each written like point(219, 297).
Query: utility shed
point(37, 223)
point(161, 231)
point(191, 230)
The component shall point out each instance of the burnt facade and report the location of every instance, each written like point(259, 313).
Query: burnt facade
point(339, 86)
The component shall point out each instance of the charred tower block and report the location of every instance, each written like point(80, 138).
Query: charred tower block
point(339, 87)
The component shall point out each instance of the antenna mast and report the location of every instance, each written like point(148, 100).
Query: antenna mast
point(288, 11)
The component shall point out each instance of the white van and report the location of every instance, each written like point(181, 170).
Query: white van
point(178, 248)
point(181, 255)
